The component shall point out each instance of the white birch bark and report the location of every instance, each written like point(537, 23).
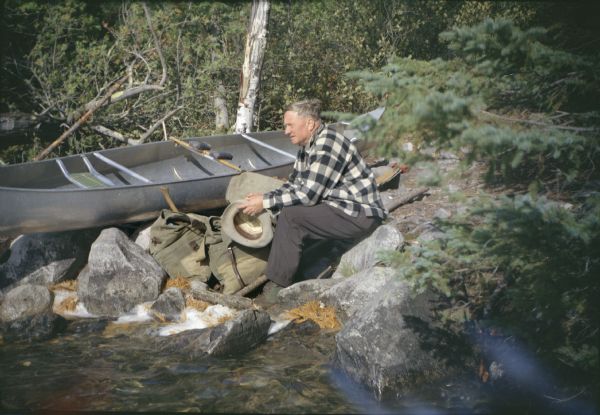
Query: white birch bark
point(256, 43)
point(220, 105)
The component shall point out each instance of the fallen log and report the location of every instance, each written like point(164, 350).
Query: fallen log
point(396, 202)
point(251, 287)
point(232, 301)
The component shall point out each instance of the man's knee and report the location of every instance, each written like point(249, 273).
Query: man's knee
point(291, 215)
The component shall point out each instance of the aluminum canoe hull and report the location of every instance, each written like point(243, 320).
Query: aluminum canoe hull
point(37, 197)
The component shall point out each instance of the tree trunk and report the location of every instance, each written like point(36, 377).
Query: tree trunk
point(256, 43)
point(220, 104)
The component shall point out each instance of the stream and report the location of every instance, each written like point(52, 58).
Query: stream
point(95, 366)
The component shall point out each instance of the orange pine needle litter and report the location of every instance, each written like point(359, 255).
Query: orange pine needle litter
point(68, 285)
point(178, 282)
point(197, 304)
point(323, 315)
point(68, 304)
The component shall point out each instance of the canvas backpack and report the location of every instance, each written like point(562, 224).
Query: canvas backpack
point(235, 265)
point(178, 242)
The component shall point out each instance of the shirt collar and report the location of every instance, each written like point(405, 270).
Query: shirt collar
point(314, 137)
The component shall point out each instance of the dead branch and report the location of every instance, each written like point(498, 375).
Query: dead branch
point(100, 129)
point(157, 124)
point(260, 281)
point(81, 120)
point(395, 203)
point(157, 45)
point(133, 91)
point(538, 123)
point(237, 302)
point(128, 93)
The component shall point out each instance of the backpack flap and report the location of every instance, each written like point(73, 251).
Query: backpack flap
point(236, 266)
point(178, 243)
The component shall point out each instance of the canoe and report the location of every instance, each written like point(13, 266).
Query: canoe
point(123, 185)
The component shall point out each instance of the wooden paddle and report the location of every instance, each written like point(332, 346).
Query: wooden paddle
point(165, 192)
point(205, 153)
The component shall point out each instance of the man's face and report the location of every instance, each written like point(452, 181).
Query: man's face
point(298, 128)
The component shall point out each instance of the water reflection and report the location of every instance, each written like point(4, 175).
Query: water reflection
point(122, 372)
point(116, 367)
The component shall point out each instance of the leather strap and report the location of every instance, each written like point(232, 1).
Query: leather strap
point(234, 266)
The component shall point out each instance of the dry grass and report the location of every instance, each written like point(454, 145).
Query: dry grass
point(223, 319)
point(67, 305)
point(178, 282)
point(160, 317)
point(68, 285)
point(323, 315)
point(196, 304)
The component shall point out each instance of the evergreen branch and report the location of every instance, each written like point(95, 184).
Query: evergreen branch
point(538, 123)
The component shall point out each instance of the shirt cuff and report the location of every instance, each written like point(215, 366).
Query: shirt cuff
point(268, 202)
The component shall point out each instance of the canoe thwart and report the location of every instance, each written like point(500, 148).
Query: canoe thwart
point(95, 173)
point(121, 167)
point(270, 147)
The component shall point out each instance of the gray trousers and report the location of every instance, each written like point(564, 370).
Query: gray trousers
point(297, 224)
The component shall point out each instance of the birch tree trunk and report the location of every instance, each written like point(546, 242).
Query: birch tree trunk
point(256, 43)
point(220, 104)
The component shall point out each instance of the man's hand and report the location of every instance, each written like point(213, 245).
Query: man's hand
point(252, 204)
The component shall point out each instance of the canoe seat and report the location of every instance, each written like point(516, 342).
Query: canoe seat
point(87, 180)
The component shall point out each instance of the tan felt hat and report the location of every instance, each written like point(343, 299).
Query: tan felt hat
point(247, 230)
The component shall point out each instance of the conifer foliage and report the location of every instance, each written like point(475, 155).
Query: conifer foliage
point(525, 258)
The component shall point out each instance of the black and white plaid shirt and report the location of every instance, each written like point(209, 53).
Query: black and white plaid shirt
point(330, 170)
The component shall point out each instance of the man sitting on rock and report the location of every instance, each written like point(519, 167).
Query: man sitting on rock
point(330, 194)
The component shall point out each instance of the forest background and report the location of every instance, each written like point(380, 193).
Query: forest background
point(513, 85)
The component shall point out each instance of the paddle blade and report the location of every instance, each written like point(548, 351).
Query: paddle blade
point(200, 146)
point(221, 155)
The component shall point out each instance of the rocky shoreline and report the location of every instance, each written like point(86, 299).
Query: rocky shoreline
point(380, 344)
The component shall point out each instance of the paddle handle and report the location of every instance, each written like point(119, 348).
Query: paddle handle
point(204, 154)
point(165, 192)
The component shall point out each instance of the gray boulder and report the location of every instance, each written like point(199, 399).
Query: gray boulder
point(25, 301)
point(240, 334)
point(46, 258)
point(169, 304)
point(354, 294)
point(236, 336)
point(119, 275)
point(33, 328)
point(304, 291)
point(142, 237)
point(26, 314)
point(381, 344)
point(365, 254)
point(428, 232)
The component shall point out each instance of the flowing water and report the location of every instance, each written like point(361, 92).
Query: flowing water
point(118, 371)
point(116, 367)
